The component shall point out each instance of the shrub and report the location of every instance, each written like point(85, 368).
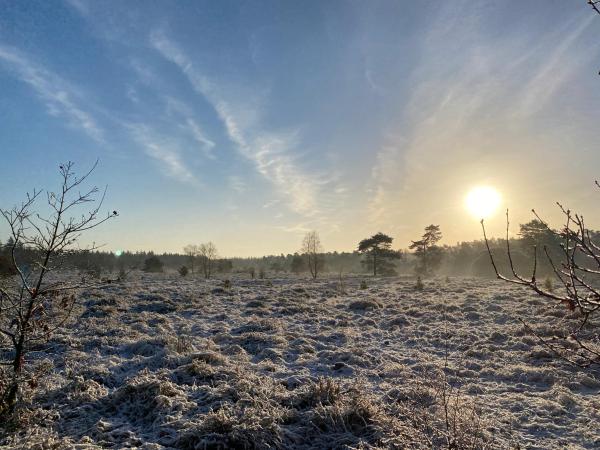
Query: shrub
point(419, 286)
point(153, 264)
point(182, 344)
point(183, 271)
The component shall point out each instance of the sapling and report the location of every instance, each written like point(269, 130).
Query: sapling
point(36, 301)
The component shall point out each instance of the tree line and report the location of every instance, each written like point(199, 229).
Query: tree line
point(374, 255)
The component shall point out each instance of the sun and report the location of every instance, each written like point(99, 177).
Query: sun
point(482, 201)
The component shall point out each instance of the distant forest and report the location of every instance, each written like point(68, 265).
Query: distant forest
point(462, 259)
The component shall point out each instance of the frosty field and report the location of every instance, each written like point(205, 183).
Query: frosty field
point(161, 361)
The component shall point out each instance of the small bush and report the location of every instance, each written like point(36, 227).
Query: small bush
point(419, 286)
point(183, 271)
point(325, 391)
point(153, 264)
point(182, 344)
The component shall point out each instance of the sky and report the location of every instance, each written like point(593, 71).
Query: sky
point(250, 123)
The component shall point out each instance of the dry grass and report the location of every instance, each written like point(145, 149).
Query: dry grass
point(306, 369)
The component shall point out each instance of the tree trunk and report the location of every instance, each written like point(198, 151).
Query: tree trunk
point(375, 264)
point(8, 400)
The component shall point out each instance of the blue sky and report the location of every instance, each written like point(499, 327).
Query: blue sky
point(250, 123)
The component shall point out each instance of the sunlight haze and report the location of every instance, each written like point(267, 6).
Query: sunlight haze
point(482, 202)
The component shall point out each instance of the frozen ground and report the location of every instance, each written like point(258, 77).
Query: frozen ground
point(164, 362)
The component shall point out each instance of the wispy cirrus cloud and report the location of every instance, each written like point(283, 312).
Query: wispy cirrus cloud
point(61, 98)
point(271, 152)
point(199, 136)
point(164, 151)
point(476, 114)
point(237, 184)
point(190, 125)
point(81, 6)
point(552, 73)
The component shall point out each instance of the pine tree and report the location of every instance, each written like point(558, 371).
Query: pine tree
point(378, 254)
point(429, 255)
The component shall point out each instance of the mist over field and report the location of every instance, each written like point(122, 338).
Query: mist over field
point(299, 225)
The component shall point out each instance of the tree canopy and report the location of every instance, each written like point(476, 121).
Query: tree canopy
point(429, 255)
point(379, 253)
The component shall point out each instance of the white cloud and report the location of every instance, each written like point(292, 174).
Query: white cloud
point(271, 152)
point(237, 184)
point(199, 136)
point(553, 72)
point(470, 118)
point(81, 6)
point(60, 98)
point(190, 125)
point(299, 228)
point(163, 151)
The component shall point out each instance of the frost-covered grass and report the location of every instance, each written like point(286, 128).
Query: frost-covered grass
point(165, 362)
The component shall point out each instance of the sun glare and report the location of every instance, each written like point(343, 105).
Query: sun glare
point(483, 201)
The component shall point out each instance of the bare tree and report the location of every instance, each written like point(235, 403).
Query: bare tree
point(35, 302)
point(312, 248)
point(208, 254)
point(579, 273)
point(191, 251)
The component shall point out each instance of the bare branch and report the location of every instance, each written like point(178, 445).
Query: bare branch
point(580, 259)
